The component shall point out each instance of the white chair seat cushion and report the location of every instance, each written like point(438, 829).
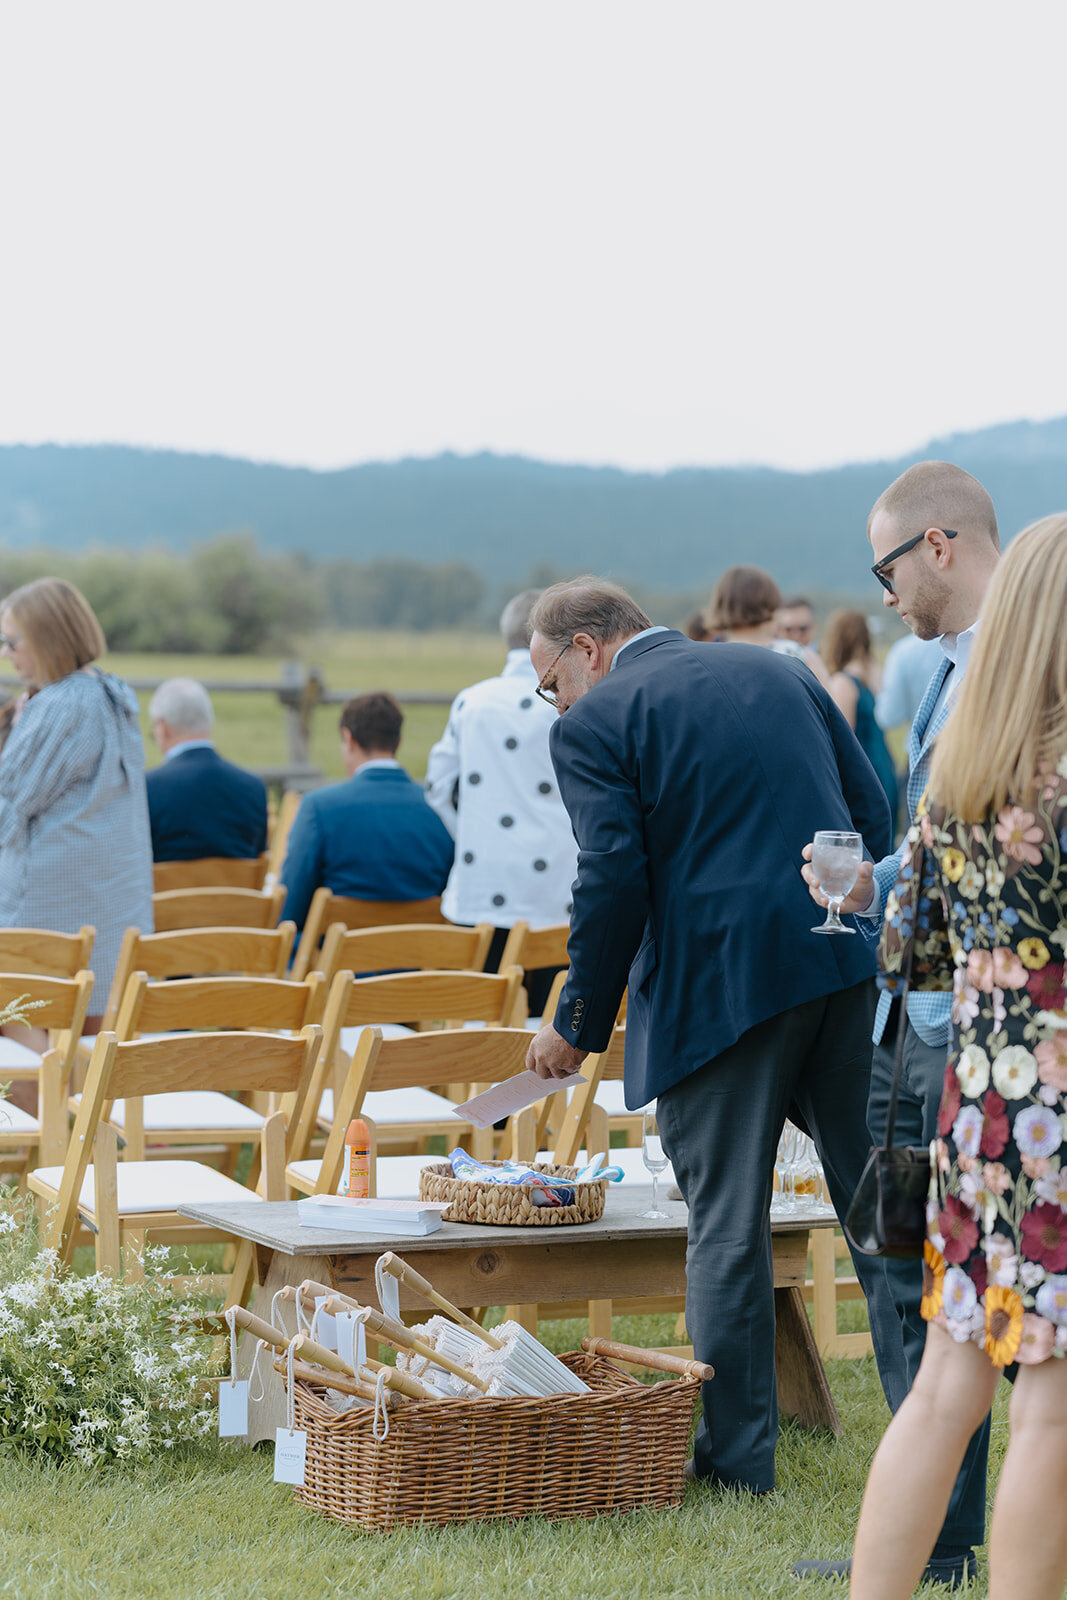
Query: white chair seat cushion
point(14, 1120)
point(349, 1037)
point(610, 1096)
point(397, 1176)
point(155, 1185)
point(13, 1054)
point(192, 1108)
point(397, 1105)
point(634, 1170)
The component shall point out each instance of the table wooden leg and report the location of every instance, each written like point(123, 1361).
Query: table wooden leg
point(265, 1415)
point(803, 1391)
point(525, 1316)
point(600, 1318)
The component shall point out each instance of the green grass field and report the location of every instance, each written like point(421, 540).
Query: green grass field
point(212, 1525)
point(250, 728)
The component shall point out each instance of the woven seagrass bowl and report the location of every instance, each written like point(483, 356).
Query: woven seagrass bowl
point(509, 1205)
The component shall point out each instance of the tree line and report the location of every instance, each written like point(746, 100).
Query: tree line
point(229, 597)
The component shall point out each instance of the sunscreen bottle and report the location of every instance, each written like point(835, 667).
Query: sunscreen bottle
point(356, 1177)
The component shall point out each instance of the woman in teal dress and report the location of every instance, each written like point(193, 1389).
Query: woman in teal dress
point(982, 903)
point(846, 649)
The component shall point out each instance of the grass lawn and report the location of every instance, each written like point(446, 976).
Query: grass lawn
point(212, 1524)
point(251, 727)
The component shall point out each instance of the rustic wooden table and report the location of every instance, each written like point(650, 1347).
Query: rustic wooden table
point(622, 1257)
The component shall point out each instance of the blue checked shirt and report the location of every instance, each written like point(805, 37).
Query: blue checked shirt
point(930, 1014)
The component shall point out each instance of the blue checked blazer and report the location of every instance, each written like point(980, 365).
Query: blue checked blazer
point(928, 1013)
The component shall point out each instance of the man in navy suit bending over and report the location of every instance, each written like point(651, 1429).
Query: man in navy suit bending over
point(693, 775)
point(198, 804)
point(373, 837)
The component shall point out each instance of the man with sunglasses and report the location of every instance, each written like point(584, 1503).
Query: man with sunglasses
point(934, 537)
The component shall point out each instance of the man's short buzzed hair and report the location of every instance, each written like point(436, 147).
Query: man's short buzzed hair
point(374, 721)
point(586, 605)
point(936, 494)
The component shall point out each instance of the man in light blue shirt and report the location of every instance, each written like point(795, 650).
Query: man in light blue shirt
point(935, 542)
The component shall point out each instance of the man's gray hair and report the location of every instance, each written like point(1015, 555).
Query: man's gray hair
point(515, 619)
point(586, 605)
point(184, 705)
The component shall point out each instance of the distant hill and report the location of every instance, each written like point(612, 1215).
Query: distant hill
point(505, 515)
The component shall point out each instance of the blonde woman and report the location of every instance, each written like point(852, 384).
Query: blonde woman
point(74, 840)
point(990, 918)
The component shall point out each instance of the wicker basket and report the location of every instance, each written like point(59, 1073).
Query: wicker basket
point(509, 1205)
point(619, 1448)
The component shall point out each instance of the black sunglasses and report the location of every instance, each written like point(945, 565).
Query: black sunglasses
point(895, 555)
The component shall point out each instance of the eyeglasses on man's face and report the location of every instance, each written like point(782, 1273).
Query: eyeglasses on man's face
point(549, 692)
point(882, 569)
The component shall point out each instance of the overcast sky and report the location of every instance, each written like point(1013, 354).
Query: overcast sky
point(650, 235)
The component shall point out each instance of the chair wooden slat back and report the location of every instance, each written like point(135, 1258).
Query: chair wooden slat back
point(38, 950)
point(531, 948)
point(327, 908)
point(200, 953)
point(413, 998)
point(217, 908)
point(415, 946)
point(281, 828)
point(218, 1003)
point(422, 1061)
point(228, 1062)
point(63, 1012)
point(210, 872)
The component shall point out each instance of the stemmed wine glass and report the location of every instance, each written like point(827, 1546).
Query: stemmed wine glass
point(836, 859)
point(654, 1157)
point(785, 1199)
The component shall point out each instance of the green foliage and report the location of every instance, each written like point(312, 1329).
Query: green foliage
point(402, 594)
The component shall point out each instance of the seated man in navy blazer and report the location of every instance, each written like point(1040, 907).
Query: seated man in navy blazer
point(198, 804)
point(373, 837)
point(693, 775)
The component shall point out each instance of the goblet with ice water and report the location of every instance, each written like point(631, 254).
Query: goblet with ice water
point(836, 859)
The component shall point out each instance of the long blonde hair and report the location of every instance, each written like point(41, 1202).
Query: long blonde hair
point(1009, 723)
point(59, 626)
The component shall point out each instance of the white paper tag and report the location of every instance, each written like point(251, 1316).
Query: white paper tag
point(514, 1094)
point(389, 1295)
point(233, 1409)
point(290, 1448)
point(351, 1339)
point(325, 1325)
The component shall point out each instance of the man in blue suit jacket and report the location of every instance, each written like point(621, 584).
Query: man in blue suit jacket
point(693, 775)
point(198, 804)
point(373, 837)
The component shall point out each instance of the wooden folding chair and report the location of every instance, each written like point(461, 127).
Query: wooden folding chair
point(406, 947)
point(207, 1116)
point(396, 1003)
point(280, 829)
point(421, 1061)
point(217, 908)
point(200, 953)
point(95, 1194)
point(49, 955)
point(327, 908)
point(62, 1005)
point(533, 948)
point(210, 872)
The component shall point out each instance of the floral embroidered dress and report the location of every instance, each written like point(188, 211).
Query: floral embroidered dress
point(988, 917)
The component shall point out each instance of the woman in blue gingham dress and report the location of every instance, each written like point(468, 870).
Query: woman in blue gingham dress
point(75, 846)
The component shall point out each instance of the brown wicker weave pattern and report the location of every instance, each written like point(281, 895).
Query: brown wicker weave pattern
point(617, 1449)
point(509, 1205)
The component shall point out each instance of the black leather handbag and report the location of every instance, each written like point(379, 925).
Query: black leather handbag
point(887, 1216)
